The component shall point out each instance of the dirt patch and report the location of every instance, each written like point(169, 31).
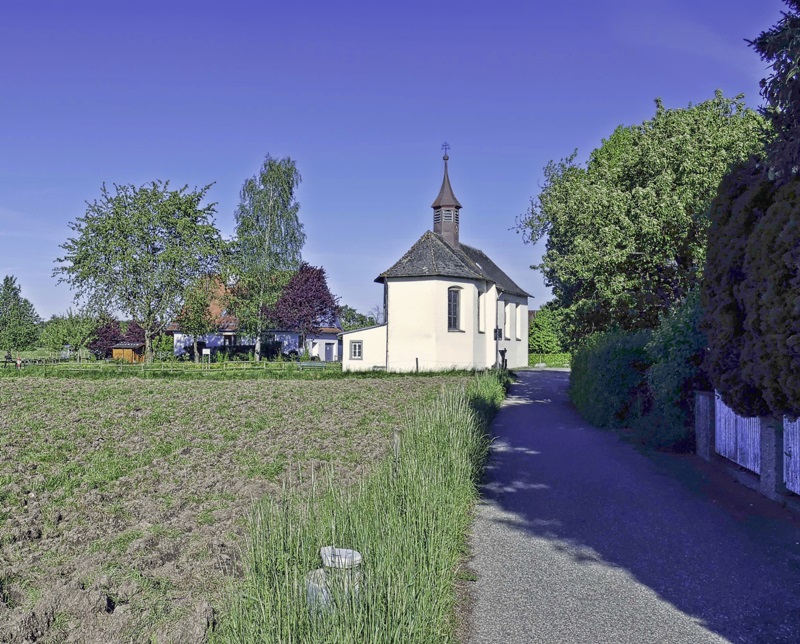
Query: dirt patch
point(123, 503)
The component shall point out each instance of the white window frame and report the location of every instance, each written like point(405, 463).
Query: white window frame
point(356, 349)
point(518, 323)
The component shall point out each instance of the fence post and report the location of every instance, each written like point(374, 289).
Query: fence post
point(704, 423)
point(771, 484)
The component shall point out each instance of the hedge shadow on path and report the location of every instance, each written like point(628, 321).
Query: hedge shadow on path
point(596, 498)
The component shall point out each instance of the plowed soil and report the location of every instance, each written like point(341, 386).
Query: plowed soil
point(124, 503)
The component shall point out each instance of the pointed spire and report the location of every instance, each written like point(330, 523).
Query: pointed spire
point(446, 196)
point(446, 207)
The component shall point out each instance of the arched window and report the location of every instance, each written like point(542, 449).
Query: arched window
point(454, 309)
point(481, 327)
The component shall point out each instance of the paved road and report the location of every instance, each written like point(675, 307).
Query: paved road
point(580, 538)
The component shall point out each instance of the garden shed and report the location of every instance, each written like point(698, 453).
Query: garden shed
point(128, 351)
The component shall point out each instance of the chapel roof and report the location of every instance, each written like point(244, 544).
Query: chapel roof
point(431, 256)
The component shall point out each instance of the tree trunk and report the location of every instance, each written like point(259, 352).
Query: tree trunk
point(258, 342)
point(148, 347)
point(194, 345)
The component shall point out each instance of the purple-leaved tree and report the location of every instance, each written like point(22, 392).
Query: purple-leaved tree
point(108, 334)
point(306, 304)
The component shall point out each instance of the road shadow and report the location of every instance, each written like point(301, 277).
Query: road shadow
point(603, 503)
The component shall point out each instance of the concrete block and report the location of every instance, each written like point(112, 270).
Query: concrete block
point(771, 444)
point(704, 423)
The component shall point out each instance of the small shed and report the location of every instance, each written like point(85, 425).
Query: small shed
point(128, 351)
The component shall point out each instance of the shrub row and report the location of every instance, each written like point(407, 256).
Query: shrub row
point(608, 376)
point(550, 359)
point(409, 519)
point(645, 380)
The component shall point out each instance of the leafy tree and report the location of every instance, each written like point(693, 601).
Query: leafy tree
point(779, 46)
point(195, 318)
point(137, 249)
point(626, 233)
point(133, 333)
point(543, 333)
point(164, 347)
point(350, 319)
point(74, 328)
point(267, 245)
point(306, 303)
point(107, 334)
point(19, 322)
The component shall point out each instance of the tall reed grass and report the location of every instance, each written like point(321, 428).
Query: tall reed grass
point(409, 519)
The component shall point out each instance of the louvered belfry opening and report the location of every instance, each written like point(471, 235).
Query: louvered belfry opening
point(446, 210)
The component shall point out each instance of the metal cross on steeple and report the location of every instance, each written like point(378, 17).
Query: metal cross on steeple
point(445, 147)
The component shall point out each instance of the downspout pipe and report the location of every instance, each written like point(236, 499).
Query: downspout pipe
point(497, 329)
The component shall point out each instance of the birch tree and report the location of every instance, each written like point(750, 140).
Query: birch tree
point(266, 249)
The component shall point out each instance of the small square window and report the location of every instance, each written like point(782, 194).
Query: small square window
point(356, 350)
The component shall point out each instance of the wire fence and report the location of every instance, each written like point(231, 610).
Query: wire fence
point(43, 366)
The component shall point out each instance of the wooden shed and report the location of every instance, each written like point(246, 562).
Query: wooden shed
point(128, 351)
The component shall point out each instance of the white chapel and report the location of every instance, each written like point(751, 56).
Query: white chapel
point(448, 306)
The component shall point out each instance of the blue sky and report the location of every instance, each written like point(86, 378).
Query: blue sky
point(360, 94)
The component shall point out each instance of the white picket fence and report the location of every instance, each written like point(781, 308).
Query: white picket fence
point(791, 455)
point(737, 438)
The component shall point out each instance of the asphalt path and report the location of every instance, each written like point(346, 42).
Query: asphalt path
point(582, 538)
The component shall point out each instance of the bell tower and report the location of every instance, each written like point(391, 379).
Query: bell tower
point(445, 208)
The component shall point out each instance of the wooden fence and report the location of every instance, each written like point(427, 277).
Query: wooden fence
point(791, 455)
point(737, 438)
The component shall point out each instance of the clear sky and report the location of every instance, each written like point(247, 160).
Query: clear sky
point(361, 94)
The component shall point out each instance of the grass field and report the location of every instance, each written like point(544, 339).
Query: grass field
point(123, 502)
point(409, 518)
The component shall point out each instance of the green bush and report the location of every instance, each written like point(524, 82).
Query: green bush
point(676, 351)
point(607, 382)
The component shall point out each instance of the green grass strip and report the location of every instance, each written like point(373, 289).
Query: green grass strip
point(409, 519)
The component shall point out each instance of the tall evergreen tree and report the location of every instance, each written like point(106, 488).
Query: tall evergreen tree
point(779, 46)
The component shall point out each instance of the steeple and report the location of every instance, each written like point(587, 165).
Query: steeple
point(445, 208)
